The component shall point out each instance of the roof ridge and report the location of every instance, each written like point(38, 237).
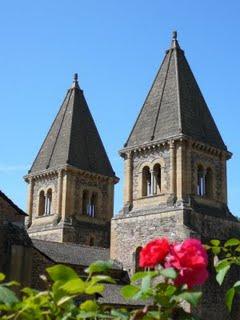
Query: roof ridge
point(60, 127)
point(161, 97)
point(11, 203)
point(49, 131)
point(178, 92)
point(149, 91)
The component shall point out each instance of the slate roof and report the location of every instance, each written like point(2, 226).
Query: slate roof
point(73, 138)
point(12, 204)
point(71, 253)
point(175, 105)
point(112, 296)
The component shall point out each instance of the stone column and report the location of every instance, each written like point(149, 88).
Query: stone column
point(30, 201)
point(59, 194)
point(64, 209)
point(110, 195)
point(172, 168)
point(152, 183)
point(128, 175)
point(181, 171)
point(224, 197)
point(189, 168)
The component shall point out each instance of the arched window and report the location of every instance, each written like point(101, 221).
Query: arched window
point(157, 178)
point(146, 182)
point(209, 183)
point(200, 181)
point(48, 203)
point(137, 259)
point(41, 208)
point(91, 241)
point(93, 205)
point(85, 203)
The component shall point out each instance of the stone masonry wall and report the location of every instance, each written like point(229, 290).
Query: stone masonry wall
point(127, 234)
point(9, 213)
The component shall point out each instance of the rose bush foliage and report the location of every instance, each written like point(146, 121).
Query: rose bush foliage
point(162, 290)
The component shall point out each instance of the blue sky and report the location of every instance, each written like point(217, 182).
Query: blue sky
point(116, 47)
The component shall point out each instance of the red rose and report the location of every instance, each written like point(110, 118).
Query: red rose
point(154, 252)
point(190, 258)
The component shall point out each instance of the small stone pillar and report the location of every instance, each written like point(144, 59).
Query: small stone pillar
point(181, 171)
point(59, 194)
point(30, 201)
point(127, 194)
point(172, 168)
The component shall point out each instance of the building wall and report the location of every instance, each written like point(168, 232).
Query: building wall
point(67, 222)
point(127, 234)
point(9, 213)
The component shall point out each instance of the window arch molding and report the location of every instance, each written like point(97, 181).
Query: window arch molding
point(91, 205)
point(161, 163)
point(136, 259)
point(142, 185)
point(42, 211)
point(49, 201)
point(41, 202)
point(209, 180)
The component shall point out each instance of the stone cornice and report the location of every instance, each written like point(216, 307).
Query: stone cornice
point(173, 140)
point(68, 168)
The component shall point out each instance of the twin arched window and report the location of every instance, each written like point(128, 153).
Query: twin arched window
point(204, 182)
point(151, 180)
point(137, 259)
point(45, 203)
point(89, 203)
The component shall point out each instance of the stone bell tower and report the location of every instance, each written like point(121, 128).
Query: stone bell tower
point(71, 181)
point(175, 181)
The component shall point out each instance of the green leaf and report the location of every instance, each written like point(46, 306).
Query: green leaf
point(146, 284)
point(89, 305)
point(237, 285)
point(129, 291)
point(216, 250)
point(2, 276)
point(61, 272)
point(222, 264)
point(86, 315)
point(7, 296)
point(74, 286)
point(221, 274)
point(29, 291)
point(232, 242)
point(120, 314)
point(140, 275)
point(63, 300)
point(171, 289)
point(11, 284)
point(102, 278)
point(169, 273)
point(191, 297)
point(98, 288)
point(99, 266)
point(229, 298)
point(215, 242)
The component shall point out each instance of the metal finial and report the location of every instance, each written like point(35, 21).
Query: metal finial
point(75, 81)
point(75, 77)
point(174, 35)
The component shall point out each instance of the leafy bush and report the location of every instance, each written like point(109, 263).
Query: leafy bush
point(162, 290)
point(226, 255)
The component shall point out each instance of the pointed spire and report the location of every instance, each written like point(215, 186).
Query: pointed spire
point(75, 82)
point(73, 138)
point(174, 106)
point(175, 44)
